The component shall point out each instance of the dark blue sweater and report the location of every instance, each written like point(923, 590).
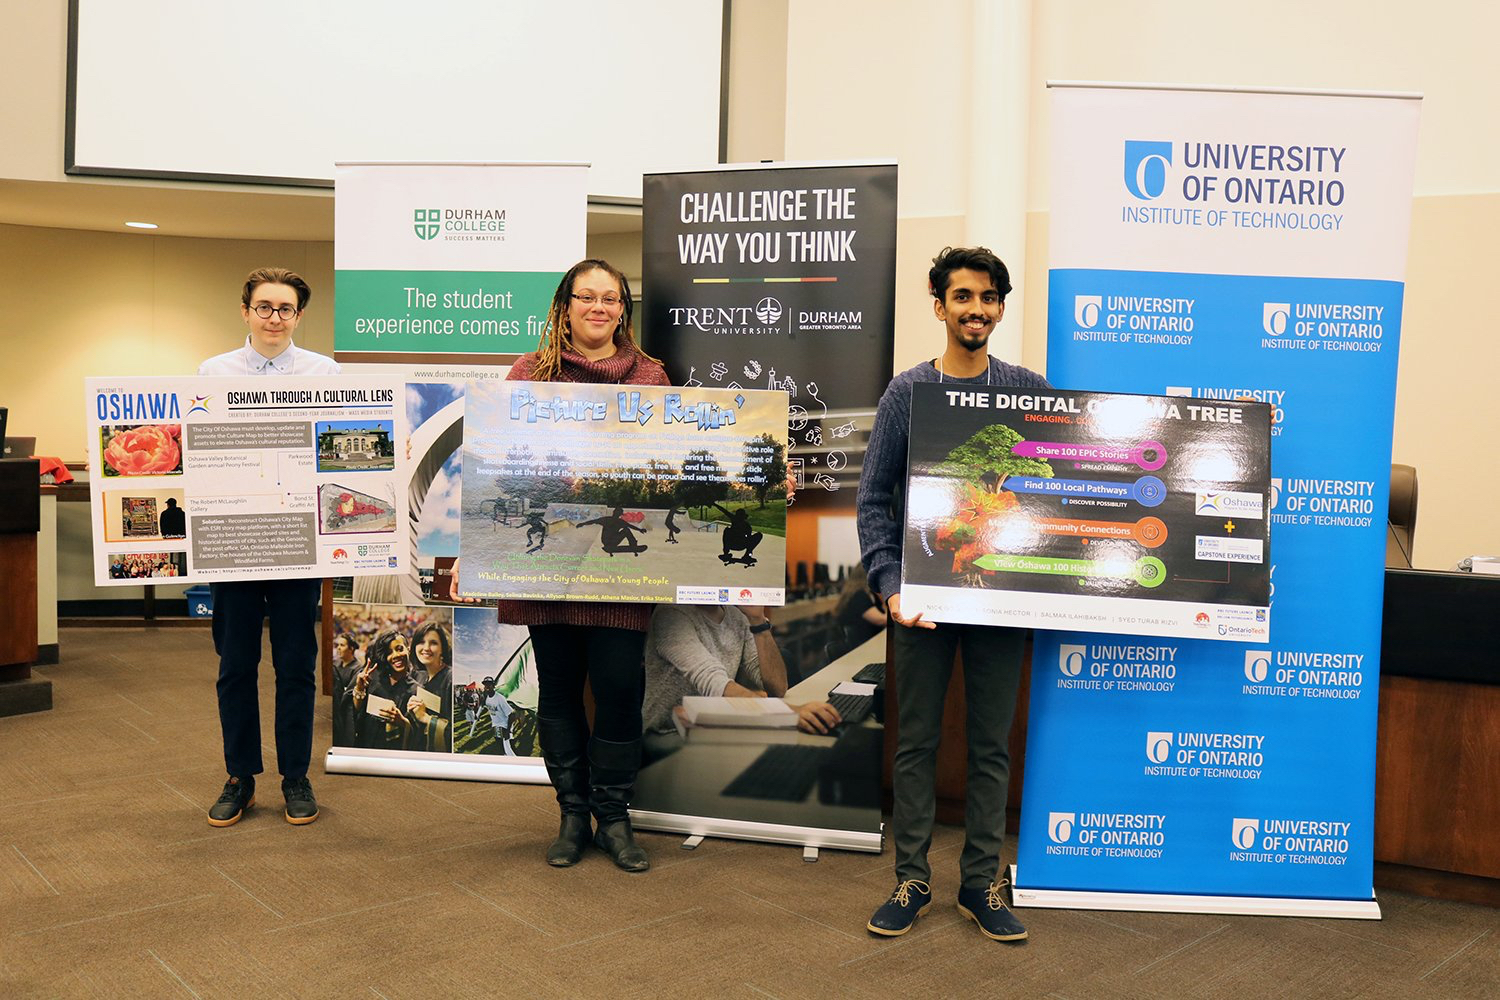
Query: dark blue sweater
point(885, 464)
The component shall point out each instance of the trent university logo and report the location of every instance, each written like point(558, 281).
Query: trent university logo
point(1146, 165)
point(426, 222)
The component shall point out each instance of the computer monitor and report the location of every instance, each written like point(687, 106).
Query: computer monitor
point(19, 447)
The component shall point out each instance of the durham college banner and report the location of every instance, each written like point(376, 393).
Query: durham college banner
point(451, 258)
point(452, 264)
point(1225, 246)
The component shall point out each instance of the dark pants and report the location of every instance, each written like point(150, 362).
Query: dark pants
point(612, 659)
point(992, 675)
point(239, 609)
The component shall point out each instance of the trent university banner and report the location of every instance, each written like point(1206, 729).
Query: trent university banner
point(1229, 246)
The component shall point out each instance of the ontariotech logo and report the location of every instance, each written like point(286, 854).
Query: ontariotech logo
point(1086, 309)
point(1274, 317)
point(1146, 163)
point(1257, 665)
point(1243, 833)
point(1070, 659)
point(427, 222)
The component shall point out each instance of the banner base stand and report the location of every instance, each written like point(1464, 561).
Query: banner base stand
point(453, 767)
point(1156, 902)
point(770, 833)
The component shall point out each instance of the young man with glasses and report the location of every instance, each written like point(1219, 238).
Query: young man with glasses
point(968, 286)
point(272, 304)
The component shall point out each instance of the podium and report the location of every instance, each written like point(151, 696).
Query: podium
point(20, 520)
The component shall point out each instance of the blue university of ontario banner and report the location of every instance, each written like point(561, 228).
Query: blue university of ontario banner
point(1229, 245)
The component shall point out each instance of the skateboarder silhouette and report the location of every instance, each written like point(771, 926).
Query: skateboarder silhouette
point(617, 534)
point(672, 528)
point(536, 531)
point(739, 535)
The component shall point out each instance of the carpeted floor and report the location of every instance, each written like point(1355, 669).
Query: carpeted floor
point(113, 885)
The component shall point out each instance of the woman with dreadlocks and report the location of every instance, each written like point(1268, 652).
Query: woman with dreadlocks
point(589, 337)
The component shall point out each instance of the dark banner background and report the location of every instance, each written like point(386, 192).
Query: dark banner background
point(804, 304)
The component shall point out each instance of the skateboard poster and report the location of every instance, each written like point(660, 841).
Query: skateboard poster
point(623, 493)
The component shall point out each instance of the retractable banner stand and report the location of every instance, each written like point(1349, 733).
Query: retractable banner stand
point(484, 724)
point(761, 276)
point(435, 260)
point(1224, 246)
point(452, 258)
point(780, 277)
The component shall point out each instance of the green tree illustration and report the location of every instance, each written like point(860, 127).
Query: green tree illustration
point(987, 458)
point(703, 481)
point(765, 466)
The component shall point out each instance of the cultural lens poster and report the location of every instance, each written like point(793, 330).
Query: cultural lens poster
point(1138, 515)
point(214, 479)
point(623, 493)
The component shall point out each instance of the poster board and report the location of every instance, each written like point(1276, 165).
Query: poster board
point(651, 494)
point(1126, 514)
point(209, 479)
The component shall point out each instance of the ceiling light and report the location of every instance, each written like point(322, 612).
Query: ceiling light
point(141, 225)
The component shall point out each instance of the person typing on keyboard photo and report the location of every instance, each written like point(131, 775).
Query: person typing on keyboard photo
point(715, 651)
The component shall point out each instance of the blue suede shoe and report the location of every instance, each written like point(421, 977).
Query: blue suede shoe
point(911, 899)
point(986, 907)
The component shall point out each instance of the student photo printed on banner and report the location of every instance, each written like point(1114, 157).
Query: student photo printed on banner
point(393, 678)
point(727, 736)
point(494, 687)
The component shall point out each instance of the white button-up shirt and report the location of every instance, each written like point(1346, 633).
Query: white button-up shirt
point(248, 361)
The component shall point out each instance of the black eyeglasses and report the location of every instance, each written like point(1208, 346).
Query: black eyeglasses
point(265, 309)
point(587, 299)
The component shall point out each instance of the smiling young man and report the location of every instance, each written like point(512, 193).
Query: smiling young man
point(272, 303)
point(969, 286)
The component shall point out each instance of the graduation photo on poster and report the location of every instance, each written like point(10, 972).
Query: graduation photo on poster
point(393, 678)
point(1138, 515)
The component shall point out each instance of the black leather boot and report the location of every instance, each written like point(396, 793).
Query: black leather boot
point(612, 769)
point(563, 751)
